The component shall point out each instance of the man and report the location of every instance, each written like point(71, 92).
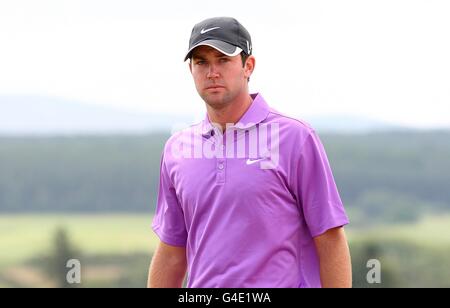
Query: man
point(247, 198)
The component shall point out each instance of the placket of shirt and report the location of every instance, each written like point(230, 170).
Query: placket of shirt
point(221, 162)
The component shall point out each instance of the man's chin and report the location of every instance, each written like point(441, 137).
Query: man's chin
point(215, 101)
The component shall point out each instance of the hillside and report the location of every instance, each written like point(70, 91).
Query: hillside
point(44, 116)
point(386, 177)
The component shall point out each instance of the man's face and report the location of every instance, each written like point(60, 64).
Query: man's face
point(219, 79)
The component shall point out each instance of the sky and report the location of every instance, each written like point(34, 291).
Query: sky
point(386, 59)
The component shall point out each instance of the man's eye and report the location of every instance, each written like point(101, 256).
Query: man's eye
point(201, 62)
point(224, 60)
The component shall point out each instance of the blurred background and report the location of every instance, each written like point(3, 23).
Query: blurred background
point(91, 90)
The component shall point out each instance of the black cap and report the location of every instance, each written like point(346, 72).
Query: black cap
point(225, 34)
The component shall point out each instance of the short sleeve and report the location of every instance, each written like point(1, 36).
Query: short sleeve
point(168, 222)
point(316, 189)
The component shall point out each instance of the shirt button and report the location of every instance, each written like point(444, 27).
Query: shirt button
point(221, 166)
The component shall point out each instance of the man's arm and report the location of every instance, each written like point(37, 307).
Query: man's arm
point(334, 257)
point(168, 267)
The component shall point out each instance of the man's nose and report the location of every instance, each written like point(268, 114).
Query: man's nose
point(212, 72)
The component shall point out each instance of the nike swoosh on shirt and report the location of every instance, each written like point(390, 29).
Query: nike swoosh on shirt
point(207, 30)
point(254, 161)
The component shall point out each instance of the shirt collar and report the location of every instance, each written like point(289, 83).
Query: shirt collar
point(257, 113)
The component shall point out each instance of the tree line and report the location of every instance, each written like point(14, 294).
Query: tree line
point(391, 176)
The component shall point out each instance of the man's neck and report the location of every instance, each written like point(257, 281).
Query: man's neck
point(231, 113)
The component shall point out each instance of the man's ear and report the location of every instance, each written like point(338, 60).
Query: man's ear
point(190, 66)
point(249, 66)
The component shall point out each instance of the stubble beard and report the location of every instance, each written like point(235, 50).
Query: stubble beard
point(223, 99)
point(219, 101)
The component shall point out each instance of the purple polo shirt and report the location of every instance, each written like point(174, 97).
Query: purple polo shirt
point(247, 203)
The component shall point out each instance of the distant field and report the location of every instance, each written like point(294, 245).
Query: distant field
point(26, 236)
point(429, 232)
point(413, 255)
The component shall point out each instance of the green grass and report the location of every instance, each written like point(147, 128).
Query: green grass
point(429, 232)
point(415, 254)
point(23, 237)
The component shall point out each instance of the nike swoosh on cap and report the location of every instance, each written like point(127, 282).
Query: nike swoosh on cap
point(207, 30)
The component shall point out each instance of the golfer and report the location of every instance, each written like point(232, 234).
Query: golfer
point(247, 198)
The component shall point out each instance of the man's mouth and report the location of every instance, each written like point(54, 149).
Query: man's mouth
point(214, 87)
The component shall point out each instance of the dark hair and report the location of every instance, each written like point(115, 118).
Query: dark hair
point(244, 58)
